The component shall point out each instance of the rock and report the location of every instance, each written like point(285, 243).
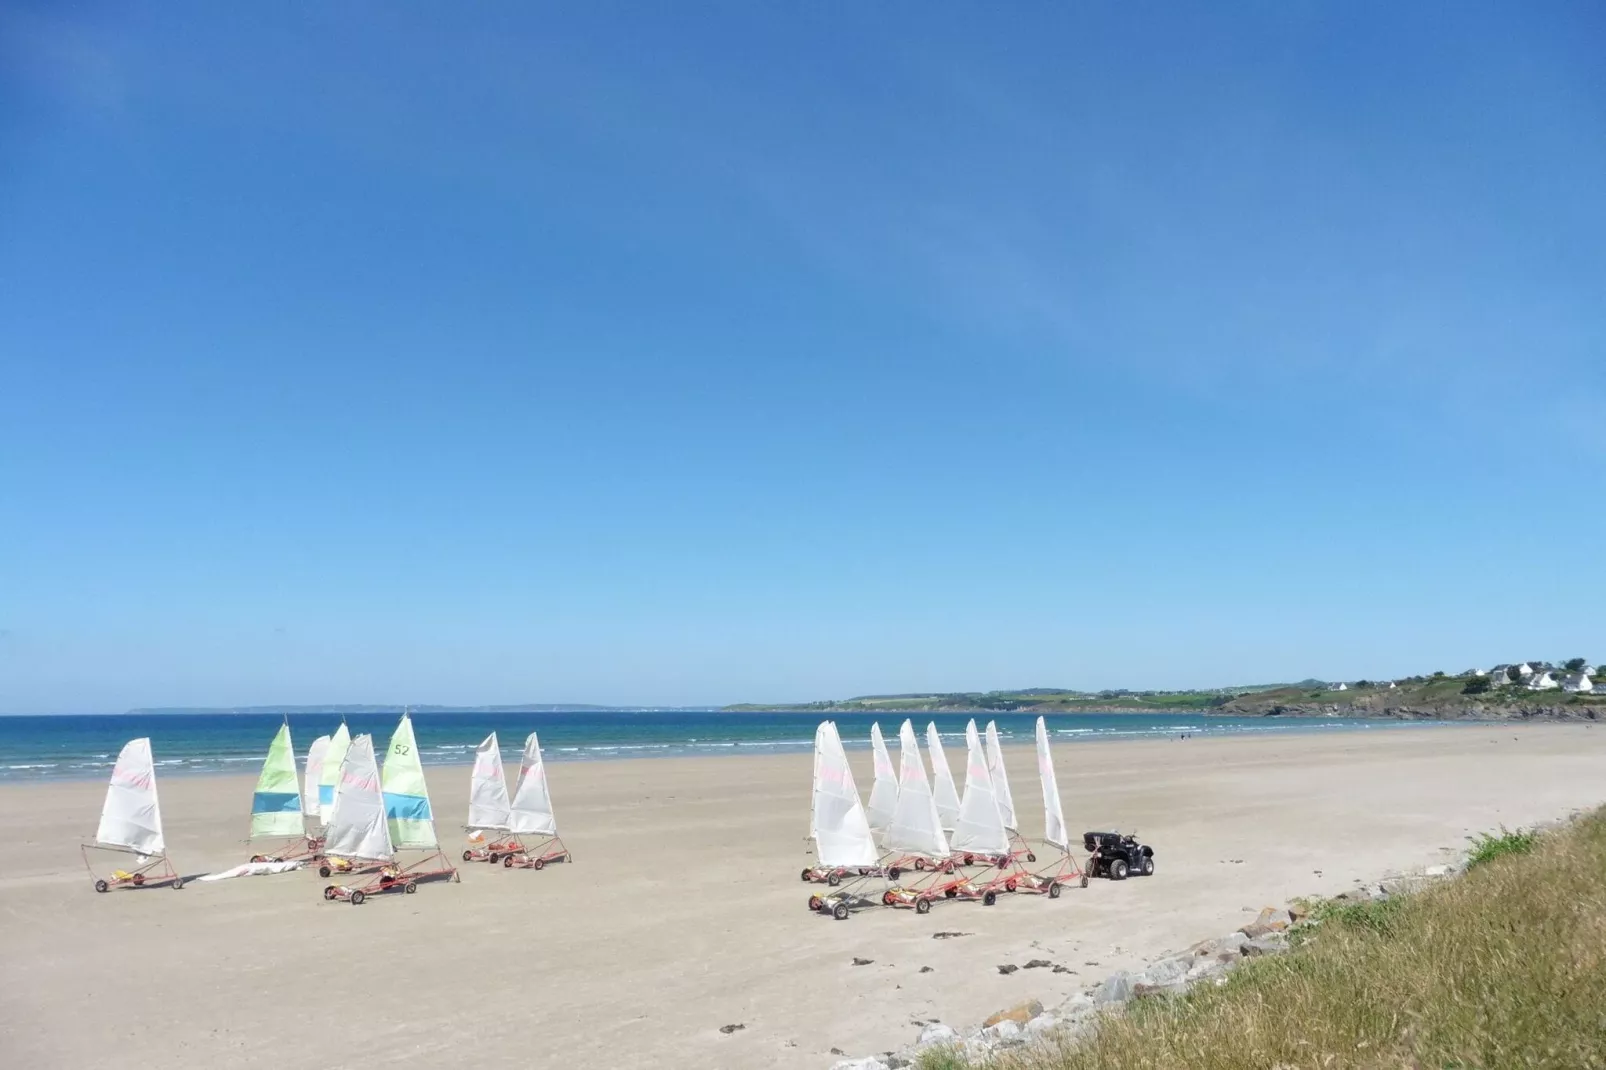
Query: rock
point(936, 1033)
point(1271, 920)
point(1063, 969)
point(1037, 964)
point(1205, 968)
point(1008, 1029)
point(1298, 913)
point(1436, 871)
point(862, 962)
point(731, 1028)
point(1079, 1004)
point(1020, 1014)
point(897, 1061)
point(925, 969)
point(1265, 945)
point(869, 1062)
point(1007, 969)
point(1117, 988)
point(838, 1051)
point(1041, 1024)
point(948, 936)
point(1163, 973)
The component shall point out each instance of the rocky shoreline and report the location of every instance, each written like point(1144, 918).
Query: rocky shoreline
point(1075, 1017)
point(1469, 712)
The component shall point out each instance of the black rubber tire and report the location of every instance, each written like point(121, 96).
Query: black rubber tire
point(922, 906)
point(1148, 865)
point(410, 887)
point(178, 882)
point(1054, 890)
point(329, 892)
point(324, 872)
point(1030, 857)
point(970, 860)
point(494, 857)
point(816, 903)
point(1084, 880)
point(833, 878)
point(258, 858)
point(468, 856)
point(1003, 863)
point(357, 897)
point(894, 873)
point(951, 893)
point(102, 886)
point(1010, 885)
point(1118, 869)
point(538, 863)
point(507, 861)
point(920, 863)
point(989, 899)
point(805, 876)
point(840, 912)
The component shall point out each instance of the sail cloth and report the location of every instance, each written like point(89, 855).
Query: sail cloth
point(332, 760)
point(312, 783)
point(132, 817)
point(884, 792)
point(981, 826)
point(531, 813)
point(915, 827)
point(942, 780)
point(276, 805)
point(1053, 816)
point(357, 827)
point(1000, 778)
point(841, 829)
point(819, 742)
point(412, 822)
point(487, 788)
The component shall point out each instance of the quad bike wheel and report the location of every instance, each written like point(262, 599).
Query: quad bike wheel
point(922, 906)
point(833, 878)
point(357, 897)
point(840, 912)
point(102, 886)
point(329, 892)
point(989, 899)
point(410, 887)
point(1118, 869)
point(1054, 889)
point(1148, 865)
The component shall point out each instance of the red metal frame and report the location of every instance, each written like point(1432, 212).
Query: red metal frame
point(158, 870)
point(393, 876)
point(1048, 880)
point(550, 849)
point(302, 849)
point(494, 851)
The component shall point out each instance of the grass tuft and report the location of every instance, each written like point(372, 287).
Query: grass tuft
point(942, 1057)
point(1487, 848)
point(1503, 968)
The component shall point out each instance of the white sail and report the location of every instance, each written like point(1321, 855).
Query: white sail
point(357, 827)
point(487, 788)
point(314, 776)
point(884, 792)
point(333, 758)
point(819, 741)
point(132, 817)
point(531, 811)
point(981, 827)
point(915, 826)
point(841, 829)
point(1000, 778)
point(942, 780)
point(1053, 817)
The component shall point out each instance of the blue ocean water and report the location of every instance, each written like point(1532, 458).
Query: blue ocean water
point(56, 747)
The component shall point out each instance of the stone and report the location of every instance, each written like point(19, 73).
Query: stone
point(896, 1060)
point(1206, 968)
point(1038, 964)
point(1265, 945)
point(732, 1028)
point(1271, 920)
point(1020, 1014)
point(1041, 1024)
point(1081, 1003)
point(1117, 988)
point(862, 962)
point(1006, 970)
point(1004, 1030)
point(925, 969)
point(947, 936)
point(1063, 969)
point(1162, 973)
point(1437, 871)
point(869, 1062)
point(936, 1033)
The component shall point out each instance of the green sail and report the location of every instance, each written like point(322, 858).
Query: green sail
point(412, 823)
point(276, 806)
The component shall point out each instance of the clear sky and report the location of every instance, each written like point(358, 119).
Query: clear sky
point(704, 353)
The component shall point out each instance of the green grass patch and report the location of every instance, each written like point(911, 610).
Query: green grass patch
point(1503, 968)
point(1486, 848)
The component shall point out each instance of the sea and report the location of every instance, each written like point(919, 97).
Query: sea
point(85, 746)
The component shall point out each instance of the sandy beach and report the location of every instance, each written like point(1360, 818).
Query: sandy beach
point(683, 911)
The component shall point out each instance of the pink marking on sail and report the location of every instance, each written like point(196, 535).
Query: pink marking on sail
point(127, 779)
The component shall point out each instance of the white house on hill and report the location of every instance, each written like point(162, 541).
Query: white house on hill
point(1339, 687)
point(1499, 677)
point(1578, 681)
point(1523, 671)
point(1541, 681)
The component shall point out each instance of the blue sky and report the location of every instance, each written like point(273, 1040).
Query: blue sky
point(352, 353)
